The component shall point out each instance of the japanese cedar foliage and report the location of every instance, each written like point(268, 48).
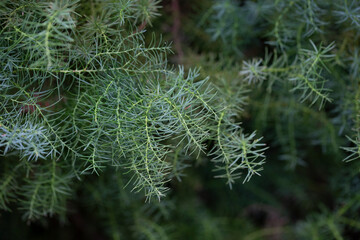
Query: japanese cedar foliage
point(308, 67)
point(91, 109)
point(301, 59)
point(81, 93)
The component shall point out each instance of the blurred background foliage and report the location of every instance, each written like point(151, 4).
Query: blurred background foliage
point(306, 190)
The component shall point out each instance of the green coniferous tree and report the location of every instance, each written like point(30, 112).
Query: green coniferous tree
point(102, 136)
point(82, 92)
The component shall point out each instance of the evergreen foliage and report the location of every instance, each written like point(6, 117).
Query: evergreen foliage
point(96, 123)
point(305, 88)
point(80, 95)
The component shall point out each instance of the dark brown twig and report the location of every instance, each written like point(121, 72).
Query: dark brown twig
point(176, 29)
